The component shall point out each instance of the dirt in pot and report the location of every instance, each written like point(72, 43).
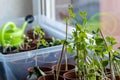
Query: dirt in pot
point(50, 77)
point(34, 72)
point(62, 68)
point(28, 46)
point(31, 35)
point(8, 50)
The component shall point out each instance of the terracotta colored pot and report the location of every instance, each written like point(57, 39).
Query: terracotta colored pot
point(70, 75)
point(50, 77)
point(117, 77)
point(109, 75)
point(46, 70)
point(62, 68)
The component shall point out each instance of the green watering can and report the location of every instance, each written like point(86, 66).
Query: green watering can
point(12, 35)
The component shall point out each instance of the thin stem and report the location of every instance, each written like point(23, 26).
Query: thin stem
point(77, 50)
point(66, 57)
point(60, 62)
point(78, 64)
point(85, 65)
point(110, 59)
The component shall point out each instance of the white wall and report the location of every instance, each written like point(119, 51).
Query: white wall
point(12, 9)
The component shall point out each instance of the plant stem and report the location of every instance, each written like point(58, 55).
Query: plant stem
point(78, 64)
point(85, 65)
point(66, 57)
point(60, 62)
point(110, 59)
point(77, 50)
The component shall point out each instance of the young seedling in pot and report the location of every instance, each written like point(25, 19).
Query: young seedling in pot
point(9, 49)
point(54, 42)
point(104, 46)
point(26, 46)
point(40, 35)
point(36, 69)
point(65, 43)
point(39, 32)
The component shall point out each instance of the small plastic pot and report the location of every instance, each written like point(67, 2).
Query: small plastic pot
point(62, 68)
point(70, 75)
point(46, 70)
point(50, 77)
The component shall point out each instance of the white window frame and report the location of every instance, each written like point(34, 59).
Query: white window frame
point(44, 7)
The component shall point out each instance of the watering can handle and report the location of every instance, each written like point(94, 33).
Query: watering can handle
point(9, 24)
point(29, 18)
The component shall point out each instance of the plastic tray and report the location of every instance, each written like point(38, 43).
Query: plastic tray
point(14, 66)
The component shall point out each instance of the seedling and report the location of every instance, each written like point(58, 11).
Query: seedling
point(65, 43)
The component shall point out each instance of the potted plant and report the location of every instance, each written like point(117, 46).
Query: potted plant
point(37, 71)
point(81, 44)
point(60, 68)
point(104, 46)
point(93, 67)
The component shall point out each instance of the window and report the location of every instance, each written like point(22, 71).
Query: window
point(108, 12)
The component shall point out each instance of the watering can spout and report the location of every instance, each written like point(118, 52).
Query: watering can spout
point(24, 26)
point(28, 19)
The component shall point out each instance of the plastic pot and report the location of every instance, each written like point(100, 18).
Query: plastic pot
point(70, 75)
point(62, 68)
point(46, 70)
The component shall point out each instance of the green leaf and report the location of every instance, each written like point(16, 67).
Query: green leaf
point(91, 76)
point(91, 41)
point(104, 63)
point(43, 42)
point(111, 40)
point(110, 48)
point(99, 40)
point(76, 57)
point(116, 53)
point(62, 41)
point(79, 27)
point(83, 35)
point(69, 49)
